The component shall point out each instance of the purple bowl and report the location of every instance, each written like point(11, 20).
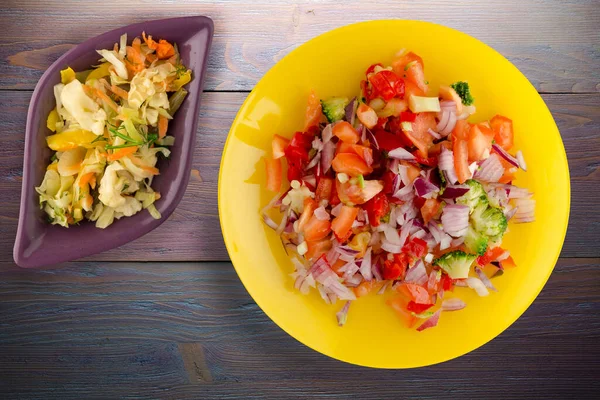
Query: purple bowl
point(39, 243)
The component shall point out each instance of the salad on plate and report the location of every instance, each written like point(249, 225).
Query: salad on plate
point(108, 128)
point(397, 190)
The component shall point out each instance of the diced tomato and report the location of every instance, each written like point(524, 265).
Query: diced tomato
point(317, 249)
point(342, 224)
point(372, 68)
point(387, 84)
point(399, 305)
point(429, 161)
point(503, 131)
point(349, 193)
point(461, 151)
point(418, 308)
point(447, 282)
point(274, 177)
point(279, 144)
point(411, 66)
point(430, 210)
point(479, 142)
point(364, 288)
point(316, 229)
point(366, 153)
point(408, 116)
point(508, 263)
point(309, 208)
point(396, 268)
point(490, 255)
point(346, 132)
point(436, 149)
point(388, 141)
point(415, 292)
point(388, 182)
point(313, 111)
point(447, 93)
point(410, 89)
point(412, 172)
point(415, 247)
point(377, 208)
point(350, 164)
point(324, 189)
point(367, 116)
point(296, 154)
point(420, 135)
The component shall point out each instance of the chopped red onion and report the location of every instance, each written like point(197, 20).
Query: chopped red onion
point(345, 250)
point(270, 223)
point(327, 155)
point(350, 111)
point(453, 304)
point(372, 138)
point(454, 191)
point(376, 268)
point(365, 266)
point(525, 210)
point(342, 315)
point(321, 214)
point(505, 155)
point(460, 283)
point(417, 274)
point(457, 242)
point(424, 188)
point(283, 223)
point(486, 281)
point(405, 231)
point(390, 248)
point(444, 117)
point(310, 180)
point(401, 154)
point(383, 288)
point(434, 278)
point(450, 125)
point(335, 211)
point(435, 231)
point(431, 321)
point(403, 192)
point(490, 170)
point(434, 134)
point(448, 105)
point(455, 219)
point(446, 164)
point(521, 160)
point(478, 286)
point(327, 133)
point(315, 160)
point(445, 242)
point(391, 235)
point(354, 280)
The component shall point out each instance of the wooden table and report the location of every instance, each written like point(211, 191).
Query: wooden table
point(166, 315)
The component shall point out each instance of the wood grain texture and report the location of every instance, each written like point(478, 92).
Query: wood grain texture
point(196, 218)
point(190, 330)
point(554, 43)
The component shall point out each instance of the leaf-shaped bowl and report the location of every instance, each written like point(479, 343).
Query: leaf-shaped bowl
point(39, 243)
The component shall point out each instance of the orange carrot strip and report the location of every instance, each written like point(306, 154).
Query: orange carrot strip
point(104, 97)
point(125, 151)
point(138, 162)
point(163, 123)
point(119, 92)
point(85, 179)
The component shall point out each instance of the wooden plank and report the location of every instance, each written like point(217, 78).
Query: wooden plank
point(190, 330)
point(196, 219)
point(553, 42)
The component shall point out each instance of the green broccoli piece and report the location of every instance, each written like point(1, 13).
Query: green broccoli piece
point(462, 89)
point(489, 221)
point(475, 196)
point(334, 108)
point(456, 264)
point(476, 242)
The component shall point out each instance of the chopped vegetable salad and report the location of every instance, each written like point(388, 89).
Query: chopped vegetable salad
point(398, 190)
point(109, 125)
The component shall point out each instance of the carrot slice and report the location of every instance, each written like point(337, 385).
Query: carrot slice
point(120, 153)
point(163, 124)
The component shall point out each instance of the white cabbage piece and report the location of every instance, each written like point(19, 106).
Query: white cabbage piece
point(69, 162)
point(112, 57)
point(82, 108)
point(131, 207)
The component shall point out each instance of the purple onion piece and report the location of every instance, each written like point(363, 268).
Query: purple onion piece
point(351, 111)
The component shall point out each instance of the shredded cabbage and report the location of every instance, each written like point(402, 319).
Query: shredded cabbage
point(82, 108)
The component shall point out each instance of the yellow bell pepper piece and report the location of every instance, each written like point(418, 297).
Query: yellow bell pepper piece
point(184, 79)
point(70, 139)
point(52, 120)
point(52, 167)
point(67, 75)
point(99, 72)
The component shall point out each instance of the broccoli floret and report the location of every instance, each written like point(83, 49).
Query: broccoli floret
point(476, 242)
point(489, 221)
point(475, 196)
point(462, 89)
point(456, 264)
point(334, 108)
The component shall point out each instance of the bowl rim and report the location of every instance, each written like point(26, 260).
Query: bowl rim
point(320, 38)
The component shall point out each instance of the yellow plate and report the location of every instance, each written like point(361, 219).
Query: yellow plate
point(333, 64)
